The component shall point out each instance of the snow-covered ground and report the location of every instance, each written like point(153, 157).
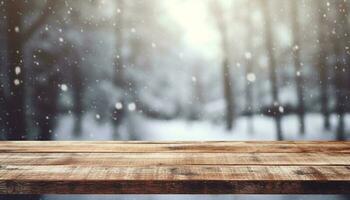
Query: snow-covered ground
point(149, 129)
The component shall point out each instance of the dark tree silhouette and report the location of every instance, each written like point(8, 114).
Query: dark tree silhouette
point(249, 67)
point(16, 102)
point(272, 66)
point(339, 41)
point(297, 64)
point(46, 94)
point(17, 36)
point(226, 70)
point(119, 79)
point(3, 84)
point(78, 90)
point(322, 66)
point(78, 93)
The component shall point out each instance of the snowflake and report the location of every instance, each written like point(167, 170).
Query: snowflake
point(119, 106)
point(64, 87)
point(16, 82)
point(281, 109)
point(194, 79)
point(251, 77)
point(132, 106)
point(17, 70)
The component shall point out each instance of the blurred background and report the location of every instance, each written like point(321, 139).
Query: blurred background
point(175, 70)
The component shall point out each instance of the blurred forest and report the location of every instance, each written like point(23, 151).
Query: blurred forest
point(240, 67)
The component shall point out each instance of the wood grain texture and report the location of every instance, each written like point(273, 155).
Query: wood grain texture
point(174, 167)
point(171, 147)
point(165, 159)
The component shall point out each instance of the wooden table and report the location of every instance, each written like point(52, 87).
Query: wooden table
point(174, 167)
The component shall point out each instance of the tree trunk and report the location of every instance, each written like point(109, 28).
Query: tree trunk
point(3, 85)
point(46, 106)
point(228, 94)
point(249, 70)
point(118, 58)
point(198, 96)
point(227, 82)
point(78, 92)
point(3, 110)
point(16, 105)
point(322, 66)
point(339, 50)
point(340, 98)
point(272, 66)
point(297, 64)
point(118, 114)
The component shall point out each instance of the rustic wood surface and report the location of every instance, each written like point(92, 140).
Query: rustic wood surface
point(174, 167)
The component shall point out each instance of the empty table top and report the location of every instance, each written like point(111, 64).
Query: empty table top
point(116, 167)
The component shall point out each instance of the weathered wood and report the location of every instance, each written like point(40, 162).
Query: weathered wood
point(174, 168)
point(175, 173)
point(164, 159)
point(171, 147)
point(178, 187)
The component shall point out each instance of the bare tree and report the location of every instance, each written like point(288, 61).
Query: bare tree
point(119, 79)
point(249, 66)
point(17, 36)
point(118, 58)
point(272, 66)
point(322, 66)
point(78, 89)
point(339, 38)
point(297, 64)
point(198, 92)
point(3, 84)
point(228, 88)
point(46, 93)
point(16, 102)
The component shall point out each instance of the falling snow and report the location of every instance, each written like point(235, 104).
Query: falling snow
point(251, 77)
point(132, 106)
point(16, 82)
point(64, 87)
point(119, 106)
point(119, 67)
point(17, 70)
point(175, 70)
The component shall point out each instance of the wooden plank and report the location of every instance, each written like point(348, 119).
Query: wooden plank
point(175, 173)
point(175, 147)
point(174, 167)
point(175, 180)
point(162, 159)
point(179, 187)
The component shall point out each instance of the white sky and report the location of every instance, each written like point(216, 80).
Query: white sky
point(199, 31)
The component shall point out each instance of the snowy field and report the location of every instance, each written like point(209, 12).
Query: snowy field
point(141, 128)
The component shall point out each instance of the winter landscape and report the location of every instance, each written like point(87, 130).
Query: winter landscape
point(175, 70)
